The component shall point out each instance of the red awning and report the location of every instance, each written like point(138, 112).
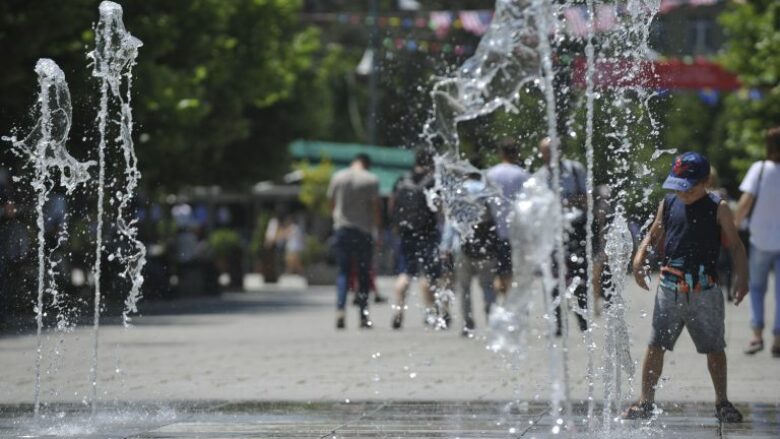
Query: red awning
point(673, 74)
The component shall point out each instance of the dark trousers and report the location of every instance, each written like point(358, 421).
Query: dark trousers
point(354, 248)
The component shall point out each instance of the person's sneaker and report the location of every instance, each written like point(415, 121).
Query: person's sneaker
point(430, 318)
point(776, 351)
point(754, 347)
point(639, 410)
point(365, 322)
point(468, 329)
point(340, 320)
point(379, 298)
point(447, 320)
point(398, 320)
point(726, 412)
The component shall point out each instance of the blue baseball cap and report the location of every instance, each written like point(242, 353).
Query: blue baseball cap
point(688, 169)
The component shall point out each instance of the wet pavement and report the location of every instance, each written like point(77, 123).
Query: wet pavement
point(419, 419)
point(188, 367)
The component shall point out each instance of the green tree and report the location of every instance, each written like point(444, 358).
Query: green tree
point(753, 53)
point(220, 87)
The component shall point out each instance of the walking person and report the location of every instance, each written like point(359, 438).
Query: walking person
point(687, 230)
point(760, 207)
point(354, 198)
point(572, 183)
point(417, 227)
point(508, 177)
point(477, 256)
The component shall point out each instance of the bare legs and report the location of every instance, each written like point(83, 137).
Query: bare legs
point(653, 365)
point(401, 288)
point(716, 363)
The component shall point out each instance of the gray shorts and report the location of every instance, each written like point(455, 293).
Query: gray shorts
point(701, 312)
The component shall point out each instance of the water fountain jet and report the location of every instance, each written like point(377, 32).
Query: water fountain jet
point(44, 150)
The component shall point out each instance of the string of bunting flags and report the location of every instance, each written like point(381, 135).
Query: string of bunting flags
point(426, 46)
point(477, 22)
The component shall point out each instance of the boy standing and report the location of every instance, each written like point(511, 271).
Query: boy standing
point(689, 224)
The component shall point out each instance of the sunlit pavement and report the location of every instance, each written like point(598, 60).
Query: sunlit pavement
point(239, 357)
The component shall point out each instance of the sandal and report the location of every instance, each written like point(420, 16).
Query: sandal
point(639, 410)
point(754, 347)
point(726, 412)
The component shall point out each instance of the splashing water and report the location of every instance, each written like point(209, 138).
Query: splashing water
point(114, 55)
point(533, 227)
point(516, 54)
point(44, 149)
point(462, 208)
point(618, 361)
point(504, 61)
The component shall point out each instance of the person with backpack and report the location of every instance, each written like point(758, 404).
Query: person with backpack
point(477, 255)
point(418, 228)
point(573, 190)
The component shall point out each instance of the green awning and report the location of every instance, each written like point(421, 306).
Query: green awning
point(388, 163)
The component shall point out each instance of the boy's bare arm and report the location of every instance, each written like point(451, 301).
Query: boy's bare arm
point(726, 221)
point(651, 240)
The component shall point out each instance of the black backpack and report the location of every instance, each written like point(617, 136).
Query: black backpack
point(410, 210)
point(483, 243)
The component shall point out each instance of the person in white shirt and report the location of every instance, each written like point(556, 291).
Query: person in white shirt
point(509, 178)
point(760, 205)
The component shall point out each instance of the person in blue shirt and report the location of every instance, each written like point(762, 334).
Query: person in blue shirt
point(687, 231)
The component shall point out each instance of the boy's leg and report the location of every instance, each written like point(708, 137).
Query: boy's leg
point(724, 410)
point(716, 363)
point(652, 366)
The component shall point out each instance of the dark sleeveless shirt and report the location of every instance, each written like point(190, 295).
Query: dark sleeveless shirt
point(692, 239)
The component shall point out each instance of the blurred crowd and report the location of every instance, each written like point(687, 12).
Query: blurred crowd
point(441, 254)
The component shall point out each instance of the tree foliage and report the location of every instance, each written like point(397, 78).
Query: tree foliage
point(753, 53)
point(220, 87)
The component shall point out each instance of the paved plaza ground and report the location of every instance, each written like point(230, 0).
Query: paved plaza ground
point(270, 363)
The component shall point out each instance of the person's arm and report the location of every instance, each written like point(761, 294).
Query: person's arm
point(743, 207)
point(749, 188)
point(738, 255)
point(651, 240)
